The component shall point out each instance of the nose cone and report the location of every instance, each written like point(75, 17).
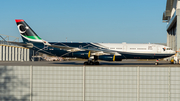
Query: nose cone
point(173, 52)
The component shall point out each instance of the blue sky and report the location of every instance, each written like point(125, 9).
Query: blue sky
point(108, 21)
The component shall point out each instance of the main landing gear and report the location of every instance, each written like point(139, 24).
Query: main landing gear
point(91, 62)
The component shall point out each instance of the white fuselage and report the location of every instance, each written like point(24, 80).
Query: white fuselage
point(137, 48)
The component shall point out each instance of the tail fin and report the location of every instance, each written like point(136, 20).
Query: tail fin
point(27, 34)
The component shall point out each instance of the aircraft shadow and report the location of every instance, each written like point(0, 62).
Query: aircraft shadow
point(113, 63)
point(10, 85)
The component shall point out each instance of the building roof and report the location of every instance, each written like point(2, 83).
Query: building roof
point(167, 13)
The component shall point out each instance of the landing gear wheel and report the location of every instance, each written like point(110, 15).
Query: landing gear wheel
point(91, 63)
point(96, 63)
point(86, 63)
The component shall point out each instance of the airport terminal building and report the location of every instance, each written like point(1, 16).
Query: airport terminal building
point(172, 17)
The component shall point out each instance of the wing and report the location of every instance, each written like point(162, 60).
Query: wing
point(93, 50)
point(62, 47)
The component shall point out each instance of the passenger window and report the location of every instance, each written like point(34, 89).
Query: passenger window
point(132, 48)
point(141, 48)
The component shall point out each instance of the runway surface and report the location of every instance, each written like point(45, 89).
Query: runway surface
point(124, 63)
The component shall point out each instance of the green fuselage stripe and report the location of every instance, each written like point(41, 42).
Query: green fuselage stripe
point(33, 37)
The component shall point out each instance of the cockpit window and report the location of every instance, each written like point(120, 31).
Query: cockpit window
point(169, 48)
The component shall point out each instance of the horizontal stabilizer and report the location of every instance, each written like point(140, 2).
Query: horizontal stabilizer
point(28, 45)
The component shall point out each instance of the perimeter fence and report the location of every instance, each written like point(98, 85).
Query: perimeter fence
point(89, 83)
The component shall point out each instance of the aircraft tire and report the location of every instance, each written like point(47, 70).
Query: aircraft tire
point(86, 63)
point(96, 63)
point(91, 63)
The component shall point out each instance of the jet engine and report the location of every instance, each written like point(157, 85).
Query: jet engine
point(110, 58)
point(82, 54)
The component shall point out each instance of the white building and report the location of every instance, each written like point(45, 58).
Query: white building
point(172, 17)
point(14, 53)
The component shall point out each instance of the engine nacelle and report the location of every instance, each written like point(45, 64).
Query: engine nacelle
point(110, 58)
point(82, 54)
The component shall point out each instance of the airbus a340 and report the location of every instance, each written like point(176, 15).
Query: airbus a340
point(91, 51)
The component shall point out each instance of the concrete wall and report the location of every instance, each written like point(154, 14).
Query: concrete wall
point(38, 83)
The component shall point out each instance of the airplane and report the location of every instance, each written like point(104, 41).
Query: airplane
point(90, 51)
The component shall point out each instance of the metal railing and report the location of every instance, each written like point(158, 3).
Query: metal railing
point(5, 38)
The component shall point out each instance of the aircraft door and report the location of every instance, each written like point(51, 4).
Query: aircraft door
point(124, 48)
point(158, 49)
point(45, 47)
